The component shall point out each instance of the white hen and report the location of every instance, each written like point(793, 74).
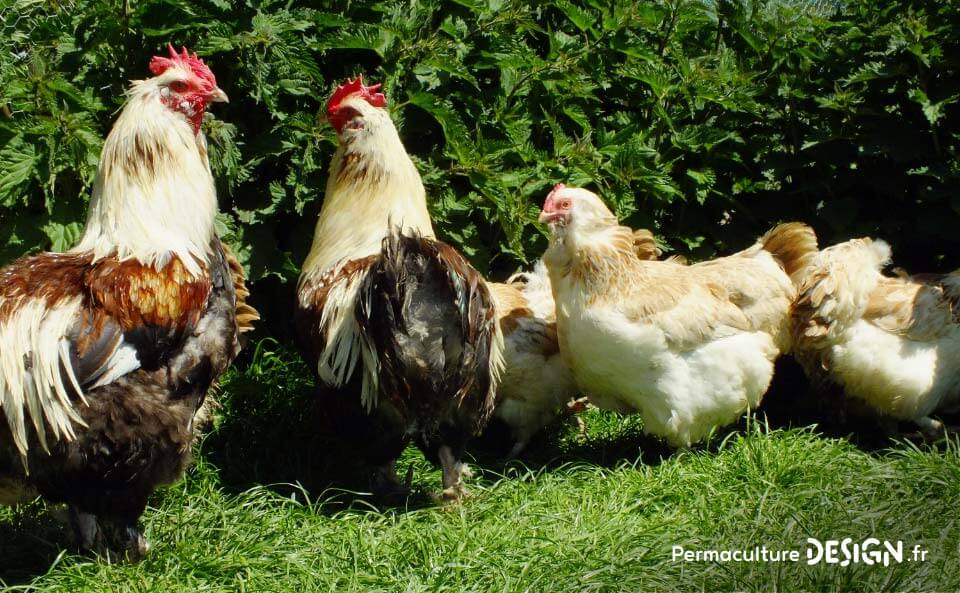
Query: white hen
point(893, 343)
point(536, 383)
point(689, 348)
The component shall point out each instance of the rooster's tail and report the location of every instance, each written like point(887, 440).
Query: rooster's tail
point(431, 320)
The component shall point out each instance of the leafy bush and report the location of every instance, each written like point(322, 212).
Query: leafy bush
point(706, 120)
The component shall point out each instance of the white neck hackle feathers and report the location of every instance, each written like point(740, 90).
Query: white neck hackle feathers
point(153, 197)
point(373, 186)
point(154, 194)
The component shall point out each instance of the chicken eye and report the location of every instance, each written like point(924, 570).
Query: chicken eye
point(178, 86)
point(565, 204)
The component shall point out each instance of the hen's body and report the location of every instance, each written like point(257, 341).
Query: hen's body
point(634, 363)
point(536, 384)
point(689, 348)
point(893, 343)
point(394, 321)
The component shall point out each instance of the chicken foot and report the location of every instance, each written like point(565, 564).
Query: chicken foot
point(933, 430)
point(575, 407)
point(114, 540)
point(453, 473)
point(86, 531)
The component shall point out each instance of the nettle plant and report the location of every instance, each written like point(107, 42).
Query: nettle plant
point(705, 120)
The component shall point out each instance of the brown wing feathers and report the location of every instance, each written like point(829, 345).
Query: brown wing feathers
point(246, 314)
point(117, 316)
point(479, 319)
point(309, 315)
point(137, 295)
point(118, 297)
point(511, 306)
point(48, 276)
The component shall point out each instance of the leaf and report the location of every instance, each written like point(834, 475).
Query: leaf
point(933, 111)
point(578, 16)
point(63, 236)
point(454, 130)
point(18, 165)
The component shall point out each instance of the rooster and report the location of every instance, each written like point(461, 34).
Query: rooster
point(399, 328)
point(890, 342)
point(108, 350)
point(689, 348)
point(537, 385)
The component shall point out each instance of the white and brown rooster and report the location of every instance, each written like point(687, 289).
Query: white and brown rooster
point(108, 350)
point(400, 328)
point(890, 342)
point(689, 348)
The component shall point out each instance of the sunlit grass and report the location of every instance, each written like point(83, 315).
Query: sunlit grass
point(585, 513)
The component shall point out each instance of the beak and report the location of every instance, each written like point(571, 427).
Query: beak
point(218, 96)
point(549, 217)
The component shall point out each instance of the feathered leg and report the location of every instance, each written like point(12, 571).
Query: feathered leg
point(112, 538)
point(387, 482)
point(124, 537)
point(86, 531)
point(931, 429)
point(518, 448)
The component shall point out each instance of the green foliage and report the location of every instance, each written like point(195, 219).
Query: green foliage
point(706, 120)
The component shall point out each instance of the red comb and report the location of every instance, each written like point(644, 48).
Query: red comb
point(356, 86)
point(160, 64)
point(548, 203)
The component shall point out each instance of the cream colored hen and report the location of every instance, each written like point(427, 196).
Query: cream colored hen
point(537, 385)
point(893, 343)
point(689, 348)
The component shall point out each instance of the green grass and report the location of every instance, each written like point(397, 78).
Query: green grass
point(585, 513)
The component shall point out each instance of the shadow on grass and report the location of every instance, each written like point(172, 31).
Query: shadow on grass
point(608, 440)
point(275, 428)
point(281, 446)
point(31, 542)
point(793, 402)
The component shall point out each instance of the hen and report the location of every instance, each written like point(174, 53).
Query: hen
point(396, 322)
point(109, 349)
point(537, 385)
point(689, 348)
point(893, 343)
